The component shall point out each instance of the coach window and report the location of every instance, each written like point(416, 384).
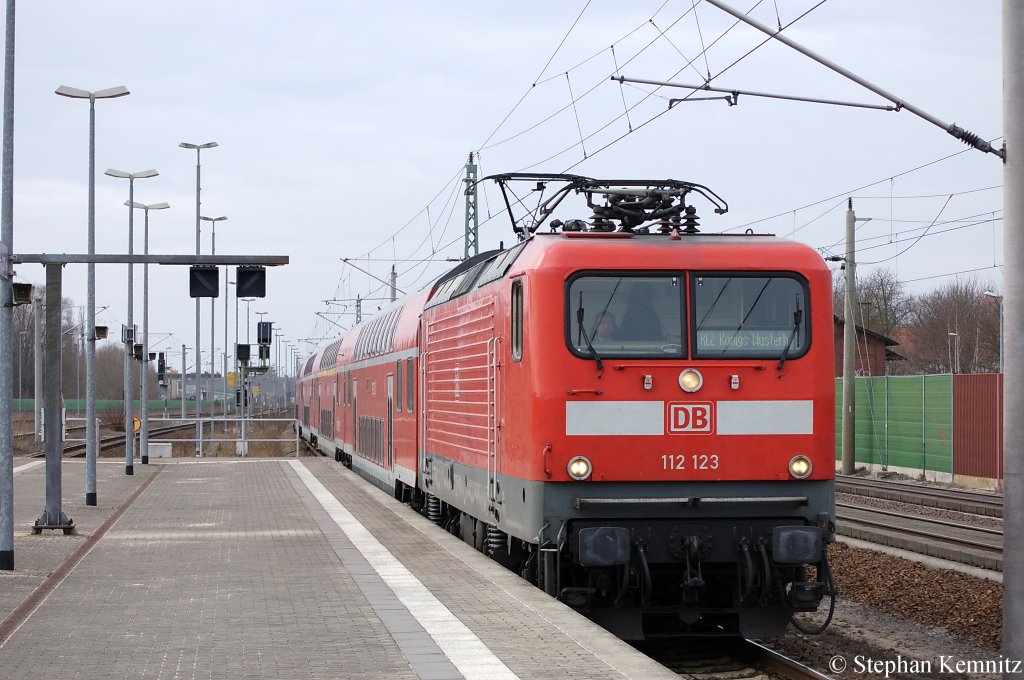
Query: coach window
point(410, 385)
point(749, 316)
point(517, 320)
point(398, 386)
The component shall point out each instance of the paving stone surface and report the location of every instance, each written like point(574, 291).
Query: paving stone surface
point(230, 569)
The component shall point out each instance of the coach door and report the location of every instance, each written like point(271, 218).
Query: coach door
point(355, 418)
point(391, 422)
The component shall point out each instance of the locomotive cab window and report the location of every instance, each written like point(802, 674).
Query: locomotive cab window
point(628, 315)
point(759, 316)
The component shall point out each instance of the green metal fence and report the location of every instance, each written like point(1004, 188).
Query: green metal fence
point(902, 421)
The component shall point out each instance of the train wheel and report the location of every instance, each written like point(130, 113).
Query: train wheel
point(479, 534)
point(467, 529)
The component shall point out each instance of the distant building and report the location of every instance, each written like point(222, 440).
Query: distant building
point(873, 351)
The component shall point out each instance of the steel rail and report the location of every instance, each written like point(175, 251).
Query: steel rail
point(75, 450)
point(779, 664)
point(923, 518)
point(846, 521)
point(983, 504)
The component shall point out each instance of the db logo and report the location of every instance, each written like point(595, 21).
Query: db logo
point(691, 417)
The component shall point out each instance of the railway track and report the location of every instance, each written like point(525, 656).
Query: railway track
point(716, 658)
point(75, 450)
point(965, 543)
point(959, 500)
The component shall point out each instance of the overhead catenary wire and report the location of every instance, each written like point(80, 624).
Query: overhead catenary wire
point(626, 111)
point(700, 33)
point(916, 240)
point(942, 276)
point(635, 105)
point(436, 244)
point(967, 137)
point(622, 91)
point(577, 114)
point(534, 84)
point(853, 191)
point(658, 115)
point(436, 248)
point(598, 83)
point(929, 234)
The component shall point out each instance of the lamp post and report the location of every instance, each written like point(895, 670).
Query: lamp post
point(144, 435)
point(247, 302)
point(213, 312)
point(198, 149)
point(90, 287)
point(129, 435)
point(278, 385)
point(954, 352)
point(997, 296)
point(234, 347)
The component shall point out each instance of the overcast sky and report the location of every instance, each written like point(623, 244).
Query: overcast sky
point(343, 128)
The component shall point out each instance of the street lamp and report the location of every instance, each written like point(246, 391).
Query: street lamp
point(198, 149)
point(90, 351)
point(129, 435)
point(234, 347)
point(247, 302)
point(213, 305)
point(144, 437)
point(993, 294)
point(954, 352)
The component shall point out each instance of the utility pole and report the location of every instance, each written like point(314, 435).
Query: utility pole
point(359, 310)
point(472, 246)
point(182, 372)
point(6, 310)
point(1013, 278)
point(849, 348)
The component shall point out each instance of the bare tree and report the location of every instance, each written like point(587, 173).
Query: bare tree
point(955, 330)
point(883, 305)
point(109, 371)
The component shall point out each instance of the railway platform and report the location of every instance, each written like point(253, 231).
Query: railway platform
point(272, 568)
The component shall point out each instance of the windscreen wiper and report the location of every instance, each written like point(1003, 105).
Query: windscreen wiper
point(798, 316)
point(583, 333)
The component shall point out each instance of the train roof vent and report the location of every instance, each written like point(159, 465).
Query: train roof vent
point(378, 336)
point(330, 356)
point(309, 365)
point(500, 265)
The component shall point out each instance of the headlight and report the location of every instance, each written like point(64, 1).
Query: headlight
point(800, 467)
point(579, 468)
point(690, 380)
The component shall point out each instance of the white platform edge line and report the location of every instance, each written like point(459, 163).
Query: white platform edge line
point(466, 651)
point(29, 466)
point(591, 646)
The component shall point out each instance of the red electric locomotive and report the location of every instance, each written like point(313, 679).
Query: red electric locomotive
point(637, 417)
